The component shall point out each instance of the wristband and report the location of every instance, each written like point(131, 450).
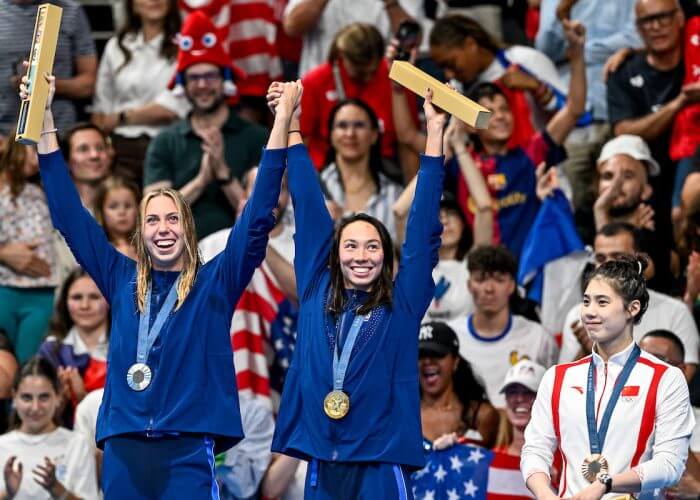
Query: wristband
point(293, 131)
point(50, 131)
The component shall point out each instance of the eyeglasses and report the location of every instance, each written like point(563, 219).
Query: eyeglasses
point(347, 125)
point(208, 78)
point(662, 18)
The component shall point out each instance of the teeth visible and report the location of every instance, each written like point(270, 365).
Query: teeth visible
point(165, 243)
point(520, 410)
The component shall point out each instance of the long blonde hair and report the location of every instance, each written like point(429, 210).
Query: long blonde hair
point(143, 259)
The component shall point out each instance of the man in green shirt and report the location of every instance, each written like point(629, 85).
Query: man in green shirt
point(205, 155)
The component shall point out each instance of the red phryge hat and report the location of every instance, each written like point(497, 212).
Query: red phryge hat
point(200, 42)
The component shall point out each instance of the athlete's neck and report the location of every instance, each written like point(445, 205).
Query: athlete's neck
point(491, 325)
point(515, 447)
point(611, 347)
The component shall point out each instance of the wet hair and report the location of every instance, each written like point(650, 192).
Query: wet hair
point(668, 335)
point(451, 30)
point(61, 322)
point(362, 44)
point(171, 27)
point(12, 163)
point(626, 276)
point(376, 163)
point(110, 184)
point(67, 138)
point(617, 228)
point(382, 289)
point(492, 259)
point(486, 90)
point(35, 367)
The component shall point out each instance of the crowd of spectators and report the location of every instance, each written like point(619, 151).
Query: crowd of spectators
point(595, 118)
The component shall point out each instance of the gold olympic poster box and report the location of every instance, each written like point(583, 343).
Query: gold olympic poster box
point(41, 56)
point(444, 97)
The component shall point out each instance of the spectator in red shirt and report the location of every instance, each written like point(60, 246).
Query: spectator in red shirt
point(355, 69)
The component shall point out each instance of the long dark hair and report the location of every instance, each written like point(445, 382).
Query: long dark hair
point(12, 163)
point(171, 27)
point(376, 164)
point(383, 288)
point(626, 276)
point(39, 367)
point(450, 31)
point(61, 322)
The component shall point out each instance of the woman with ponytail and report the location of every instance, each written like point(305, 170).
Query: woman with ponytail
point(170, 401)
point(621, 418)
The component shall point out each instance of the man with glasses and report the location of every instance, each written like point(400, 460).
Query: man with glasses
point(205, 154)
point(646, 93)
point(664, 312)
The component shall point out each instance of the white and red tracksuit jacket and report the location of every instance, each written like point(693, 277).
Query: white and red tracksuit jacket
point(649, 430)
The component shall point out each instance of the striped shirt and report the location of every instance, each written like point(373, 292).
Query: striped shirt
point(16, 29)
point(379, 204)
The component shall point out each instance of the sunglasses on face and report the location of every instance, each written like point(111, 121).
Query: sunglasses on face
point(662, 18)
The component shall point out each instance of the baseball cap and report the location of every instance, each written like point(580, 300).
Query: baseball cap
point(437, 338)
point(630, 145)
point(524, 372)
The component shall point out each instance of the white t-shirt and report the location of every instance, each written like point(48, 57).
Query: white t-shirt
point(664, 312)
point(452, 298)
point(86, 415)
point(70, 451)
point(490, 358)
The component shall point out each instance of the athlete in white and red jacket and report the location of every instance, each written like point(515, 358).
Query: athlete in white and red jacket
point(646, 444)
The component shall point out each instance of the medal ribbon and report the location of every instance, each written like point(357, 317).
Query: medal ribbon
point(596, 438)
point(340, 366)
point(147, 337)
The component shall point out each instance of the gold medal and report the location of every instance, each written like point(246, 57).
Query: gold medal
point(336, 404)
point(593, 465)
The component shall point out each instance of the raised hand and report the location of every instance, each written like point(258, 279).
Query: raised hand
point(575, 33)
point(435, 119)
point(45, 476)
point(284, 97)
point(13, 476)
point(547, 181)
point(24, 92)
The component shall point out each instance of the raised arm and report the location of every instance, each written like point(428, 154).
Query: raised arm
point(247, 243)
point(314, 225)
point(86, 239)
point(564, 121)
point(414, 283)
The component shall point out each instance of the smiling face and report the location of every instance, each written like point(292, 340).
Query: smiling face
point(603, 312)
point(163, 233)
point(491, 291)
point(86, 306)
point(452, 228)
point(36, 401)
point(204, 87)
point(501, 124)
point(89, 158)
point(435, 373)
point(120, 211)
point(361, 255)
point(352, 134)
point(151, 10)
point(519, 401)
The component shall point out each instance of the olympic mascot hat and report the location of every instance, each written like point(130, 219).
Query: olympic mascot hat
point(200, 42)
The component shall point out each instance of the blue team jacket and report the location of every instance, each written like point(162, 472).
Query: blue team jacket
point(194, 386)
point(383, 424)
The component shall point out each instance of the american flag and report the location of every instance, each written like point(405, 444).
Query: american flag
point(263, 335)
point(465, 471)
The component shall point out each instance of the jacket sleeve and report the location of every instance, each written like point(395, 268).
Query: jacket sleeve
point(419, 255)
point(84, 236)
point(540, 439)
point(314, 226)
point(245, 248)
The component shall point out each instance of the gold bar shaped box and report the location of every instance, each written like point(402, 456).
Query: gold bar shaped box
point(31, 111)
point(444, 97)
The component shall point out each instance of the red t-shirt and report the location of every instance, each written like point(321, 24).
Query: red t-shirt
point(320, 95)
point(685, 136)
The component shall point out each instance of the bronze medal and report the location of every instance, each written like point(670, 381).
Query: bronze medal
point(593, 465)
point(336, 404)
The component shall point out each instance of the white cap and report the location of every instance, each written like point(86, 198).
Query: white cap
point(630, 145)
point(524, 372)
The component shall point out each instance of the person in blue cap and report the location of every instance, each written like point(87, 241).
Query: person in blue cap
point(350, 404)
point(170, 401)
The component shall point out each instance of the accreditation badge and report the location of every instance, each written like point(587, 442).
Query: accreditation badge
point(336, 404)
point(139, 376)
point(593, 465)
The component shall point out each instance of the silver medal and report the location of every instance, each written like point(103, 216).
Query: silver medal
point(139, 376)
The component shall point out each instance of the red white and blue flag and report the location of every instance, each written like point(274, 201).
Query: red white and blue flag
point(465, 471)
